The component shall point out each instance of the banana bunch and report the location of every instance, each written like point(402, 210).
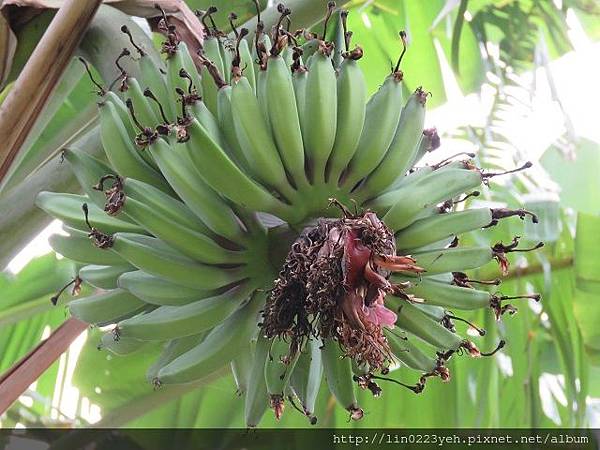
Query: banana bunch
point(212, 226)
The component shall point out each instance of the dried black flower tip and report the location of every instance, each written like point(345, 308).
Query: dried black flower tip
point(101, 90)
point(487, 176)
point(192, 95)
point(499, 347)
point(125, 30)
point(398, 75)
point(333, 284)
point(432, 139)
point(164, 129)
point(500, 250)
point(100, 240)
point(184, 121)
point(115, 196)
point(75, 282)
point(330, 9)
point(500, 309)
point(147, 135)
point(213, 71)
point(449, 159)
point(447, 322)
point(168, 47)
point(461, 279)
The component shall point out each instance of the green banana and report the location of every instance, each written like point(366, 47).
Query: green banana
point(154, 257)
point(352, 99)
point(158, 291)
point(67, 208)
point(88, 170)
point(455, 259)
point(211, 51)
point(162, 204)
point(226, 178)
point(105, 308)
point(320, 117)
point(283, 116)
point(121, 151)
point(226, 124)
point(256, 399)
point(381, 122)
point(200, 198)
point(119, 347)
point(241, 366)
point(307, 376)
point(402, 149)
point(434, 229)
point(170, 322)
point(409, 354)
point(219, 347)
point(278, 371)
point(173, 349)
point(414, 321)
point(429, 191)
point(255, 139)
point(449, 296)
point(188, 241)
point(338, 373)
point(104, 276)
point(78, 247)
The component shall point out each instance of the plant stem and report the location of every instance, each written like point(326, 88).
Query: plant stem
point(30, 93)
point(21, 375)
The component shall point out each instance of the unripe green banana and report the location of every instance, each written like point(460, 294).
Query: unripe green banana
point(88, 170)
point(439, 227)
point(241, 366)
point(351, 111)
point(299, 81)
point(67, 208)
point(381, 122)
point(119, 347)
point(320, 122)
point(218, 349)
point(455, 259)
point(155, 81)
point(123, 112)
point(78, 247)
point(158, 291)
point(182, 59)
point(172, 350)
point(247, 63)
point(257, 400)
point(211, 50)
point(141, 105)
point(409, 354)
point(226, 178)
point(162, 204)
point(200, 198)
point(429, 191)
point(278, 370)
point(105, 308)
point(226, 124)
point(283, 116)
point(449, 296)
point(255, 139)
point(402, 149)
point(414, 321)
point(338, 373)
point(307, 376)
point(261, 96)
point(170, 322)
point(208, 120)
point(121, 151)
point(188, 241)
point(154, 257)
point(103, 277)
